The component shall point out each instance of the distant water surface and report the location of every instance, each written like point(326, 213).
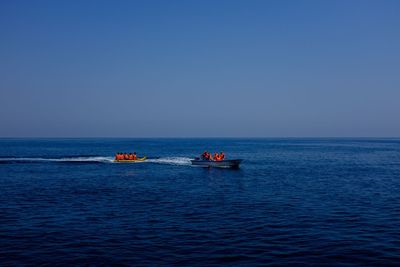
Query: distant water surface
point(293, 201)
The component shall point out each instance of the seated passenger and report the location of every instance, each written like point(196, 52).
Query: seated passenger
point(126, 156)
point(134, 156)
point(131, 156)
point(221, 156)
point(216, 157)
point(204, 155)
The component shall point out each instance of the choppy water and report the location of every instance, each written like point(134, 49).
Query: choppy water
point(294, 201)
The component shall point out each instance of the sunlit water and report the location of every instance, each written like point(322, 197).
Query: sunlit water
point(293, 201)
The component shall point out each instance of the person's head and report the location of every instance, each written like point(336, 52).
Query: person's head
point(134, 153)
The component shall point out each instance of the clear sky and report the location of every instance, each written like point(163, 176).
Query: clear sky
point(199, 68)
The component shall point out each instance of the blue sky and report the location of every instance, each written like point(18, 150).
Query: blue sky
point(199, 68)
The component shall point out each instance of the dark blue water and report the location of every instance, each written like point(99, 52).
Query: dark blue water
point(307, 201)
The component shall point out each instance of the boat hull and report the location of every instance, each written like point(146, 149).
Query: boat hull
point(131, 161)
point(234, 163)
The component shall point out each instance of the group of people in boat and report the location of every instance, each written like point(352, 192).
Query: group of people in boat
point(126, 156)
point(217, 157)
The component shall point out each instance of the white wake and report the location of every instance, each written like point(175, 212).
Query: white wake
point(66, 159)
point(101, 159)
point(171, 160)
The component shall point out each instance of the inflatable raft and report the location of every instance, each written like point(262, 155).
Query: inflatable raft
point(131, 161)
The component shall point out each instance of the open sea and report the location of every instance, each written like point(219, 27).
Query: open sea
point(318, 202)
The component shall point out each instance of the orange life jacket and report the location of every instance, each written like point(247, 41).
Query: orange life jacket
point(222, 156)
point(134, 157)
point(130, 157)
point(216, 156)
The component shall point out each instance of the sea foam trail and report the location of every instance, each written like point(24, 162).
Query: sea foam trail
point(95, 159)
point(171, 160)
point(66, 159)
